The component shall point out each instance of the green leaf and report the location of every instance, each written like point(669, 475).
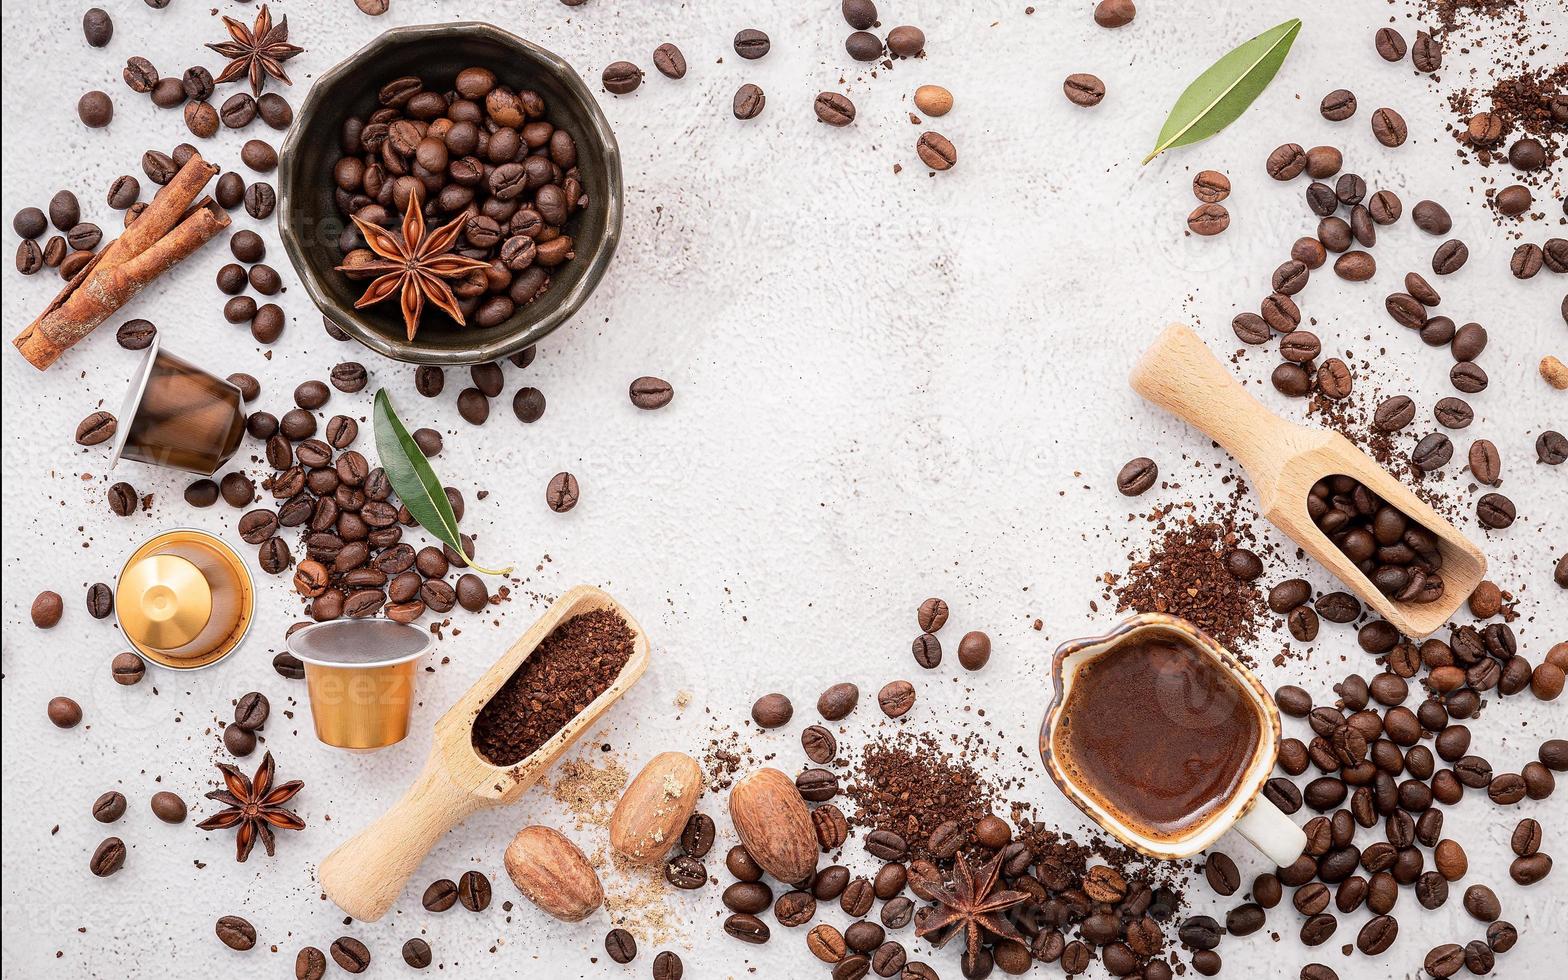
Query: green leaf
point(416, 483)
point(1219, 96)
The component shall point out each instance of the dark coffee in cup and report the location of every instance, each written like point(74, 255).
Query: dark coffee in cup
point(1159, 733)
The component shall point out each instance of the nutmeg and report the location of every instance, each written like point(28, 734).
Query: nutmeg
point(648, 819)
point(553, 873)
point(774, 825)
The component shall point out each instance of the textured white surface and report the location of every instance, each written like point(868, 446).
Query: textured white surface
point(887, 386)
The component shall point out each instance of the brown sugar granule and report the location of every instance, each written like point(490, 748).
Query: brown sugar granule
point(571, 667)
point(1184, 574)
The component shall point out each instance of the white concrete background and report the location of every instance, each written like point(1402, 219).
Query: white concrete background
point(888, 386)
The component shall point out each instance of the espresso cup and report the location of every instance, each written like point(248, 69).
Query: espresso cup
point(1163, 738)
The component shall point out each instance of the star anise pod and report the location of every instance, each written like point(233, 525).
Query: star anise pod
point(972, 905)
point(414, 264)
point(255, 806)
point(257, 51)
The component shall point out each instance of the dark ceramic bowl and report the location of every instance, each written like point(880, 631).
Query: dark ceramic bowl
point(309, 220)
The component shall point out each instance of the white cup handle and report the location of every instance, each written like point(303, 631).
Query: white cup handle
point(1267, 828)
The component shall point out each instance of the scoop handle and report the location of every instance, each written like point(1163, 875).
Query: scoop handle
point(1181, 375)
point(365, 874)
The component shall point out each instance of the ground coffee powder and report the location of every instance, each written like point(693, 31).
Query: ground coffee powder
point(571, 667)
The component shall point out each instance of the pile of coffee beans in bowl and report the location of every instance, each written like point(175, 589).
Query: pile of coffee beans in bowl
point(478, 150)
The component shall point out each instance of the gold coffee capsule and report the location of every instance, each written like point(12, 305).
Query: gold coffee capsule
point(360, 675)
point(180, 416)
point(185, 599)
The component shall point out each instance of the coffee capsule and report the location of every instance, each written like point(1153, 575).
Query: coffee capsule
point(185, 599)
point(180, 416)
point(360, 676)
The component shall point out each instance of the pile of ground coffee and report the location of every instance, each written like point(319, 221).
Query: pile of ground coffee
point(571, 667)
point(1525, 102)
point(1185, 573)
point(910, 785)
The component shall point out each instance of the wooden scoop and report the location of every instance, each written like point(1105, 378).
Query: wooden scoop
point(366, 873)
point(1180, 374)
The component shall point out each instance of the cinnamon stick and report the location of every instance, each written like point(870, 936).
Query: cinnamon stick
point(170, 230)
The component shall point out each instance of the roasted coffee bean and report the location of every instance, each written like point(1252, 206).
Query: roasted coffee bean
point(1530, 869)
point(1390, 44)
point(1389, 127)
point(838, 701)
point(817, 785)
point(650, 393)
point(1300, 346)
point(348, 376)
point(1377, 935)
point(1211, 186)
point(1084, 89)
point(1482, 904)
point(1206, 219)
point(473, 891)
point(1355, 266)
point(108, 857)
point(1137, 476)
point(896, 698)
point(669, 60)
point(1281, 313)
point(1551, 448)
point(1323, 162)
point(440, 895)
point(621, 77)
point(1309, 252)
point(109, 807)
point(834, 108)
point(857, 898)
point(685, 872)
point(906, 41)
point(620, 946)
point(1289, 594)
point(974, 650)
point(1250, 328)
point(168, 807)
point(1200, 932)
point(1321, 199)
point(1338, 105)
point(747, 928)
point(96, 428)
point(1290, 278)
point(748, 102)
point(1495, 511)
point(667, 966)
point(884, 844)
point(236, 933)
point(350, 954)
point(260, 200)
point(1468, 377)
point(794, 909)
point(1385, 207)
point(1394, 413)
point(1437, 331)
point(772, 711)
point(100, 600)
point(1450, 257)
point(830, 883)
point(1221, 873)
point(1286, 162)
